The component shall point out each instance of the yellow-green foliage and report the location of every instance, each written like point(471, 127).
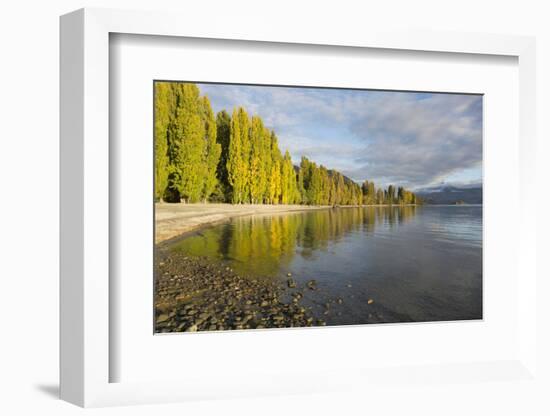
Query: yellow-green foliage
point(165, 105)
point(187, 152)
point(257, 173)
point(237, 165)
point(237, 159)
point(289, 186)
point(275, 176)
point(212, 150)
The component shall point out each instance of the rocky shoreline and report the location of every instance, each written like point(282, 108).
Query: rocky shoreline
point(195, 294)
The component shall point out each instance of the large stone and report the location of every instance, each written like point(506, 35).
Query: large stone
point(162, 318)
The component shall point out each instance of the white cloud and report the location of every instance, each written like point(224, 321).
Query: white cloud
point(389, 137)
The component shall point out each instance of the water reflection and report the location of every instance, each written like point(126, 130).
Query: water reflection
point(417, 263)
point(264, 245)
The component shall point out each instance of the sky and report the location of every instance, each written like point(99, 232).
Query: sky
point(410, 139)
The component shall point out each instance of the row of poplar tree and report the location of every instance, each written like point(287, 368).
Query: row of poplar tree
point(205, 157)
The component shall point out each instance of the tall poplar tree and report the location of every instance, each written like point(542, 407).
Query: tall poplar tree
point(223, 127)
point(267, 162)
point(188, 167)
point(325, 186)
point(391, 194)
point(316, 185)
point(257, 174)
point(165, 104)
point(301, 190)
point(304, 179)
point(288, 181)
point(275, 183)
point(275, 175)
point(212, 150)
point(234, 159)
point(244, 171)
point(189, 144)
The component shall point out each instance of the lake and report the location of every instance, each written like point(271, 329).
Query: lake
point(370, 264)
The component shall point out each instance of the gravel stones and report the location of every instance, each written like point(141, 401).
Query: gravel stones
point(206, 296)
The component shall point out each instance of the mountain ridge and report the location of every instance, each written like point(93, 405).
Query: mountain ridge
point(452, 194)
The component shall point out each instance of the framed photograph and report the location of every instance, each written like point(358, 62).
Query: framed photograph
point(306, 205)
point(243, 215)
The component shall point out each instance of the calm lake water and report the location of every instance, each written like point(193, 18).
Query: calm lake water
point(416, 263)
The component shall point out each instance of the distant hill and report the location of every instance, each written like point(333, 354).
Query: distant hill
point(448, 194)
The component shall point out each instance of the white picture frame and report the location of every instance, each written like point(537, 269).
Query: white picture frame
point(85, 220)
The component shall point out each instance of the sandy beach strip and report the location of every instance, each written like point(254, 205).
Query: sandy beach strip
point(172, 220)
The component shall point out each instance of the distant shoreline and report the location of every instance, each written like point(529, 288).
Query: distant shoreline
point(173, 220)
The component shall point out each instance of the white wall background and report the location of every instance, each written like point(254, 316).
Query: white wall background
point(29, 187)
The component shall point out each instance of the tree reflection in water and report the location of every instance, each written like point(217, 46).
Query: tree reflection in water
point(263, 246)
